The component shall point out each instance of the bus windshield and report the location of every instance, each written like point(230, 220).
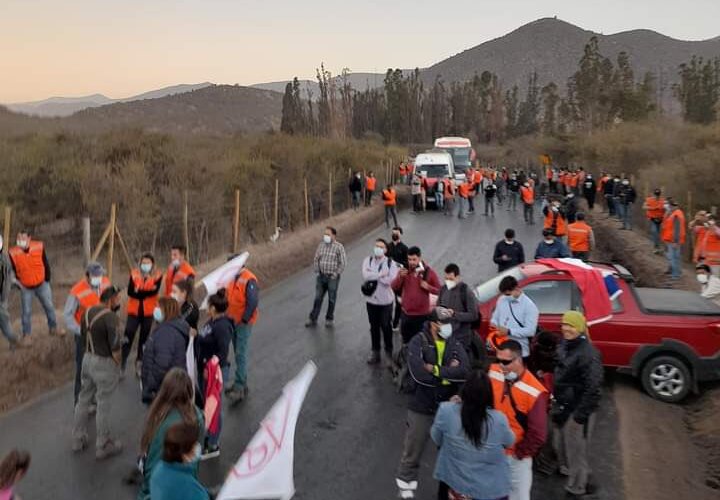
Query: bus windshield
point(461, 158)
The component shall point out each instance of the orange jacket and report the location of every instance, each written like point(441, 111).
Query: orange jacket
point(389, 196)
point(86, 296)
point(449, 189)
point(237, 299)
point(579, 236)
point(477, 177)
point(29, 265)
point(184, 272)
point(666, 231)
point(601, 184)
point(556, 222)
point(143, 284)
point(573, 181)
point(709, 248)
point(528, 195)
point(464, 190)
point(655, 207)
point(524, 393)
point(370, 183)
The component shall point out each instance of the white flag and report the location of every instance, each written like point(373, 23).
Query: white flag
point(191, 365)
point(265, 469)
point(223, 275)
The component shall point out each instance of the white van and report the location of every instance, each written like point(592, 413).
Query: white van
point(434, 166)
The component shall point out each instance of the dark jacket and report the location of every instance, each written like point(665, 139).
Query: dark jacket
point(461, 300)
point(397, 251)
point(190, 313)
point(355, 184)
point(570, 209)
point(627, 194)
point(513, 185)
point(554, 251)
point(214, 340)
point(6, 278)
point(589, 188)
point(609, 188)
point(429, 390)
point(577, 381)
point(164, 349)
point(516, 252)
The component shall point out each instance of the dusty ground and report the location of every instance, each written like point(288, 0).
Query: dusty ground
point(666, 448)
point(48, 363)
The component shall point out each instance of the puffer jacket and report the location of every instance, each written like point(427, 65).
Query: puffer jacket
point(577, 381)
point(165, 349)
point(430, 390)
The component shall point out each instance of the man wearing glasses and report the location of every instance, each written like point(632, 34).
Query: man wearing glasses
point(523, 400)
point(515, 316)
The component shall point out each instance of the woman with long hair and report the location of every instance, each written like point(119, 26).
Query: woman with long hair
point(174, 403)
point(12, 469)
point(182, 291)
point(472, 438)
point(166, 347)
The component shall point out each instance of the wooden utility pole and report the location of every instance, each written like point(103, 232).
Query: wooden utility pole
point(86, 239)
point(330, 201)
point(307, 207)
point(111, 245)
point(124, 248)
point(277, 195)
point(236, 223)
point(186, 230)
point(6, 227)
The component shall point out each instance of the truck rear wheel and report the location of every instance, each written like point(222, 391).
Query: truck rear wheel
point(667, 378)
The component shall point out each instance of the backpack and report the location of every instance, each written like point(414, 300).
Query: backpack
point(475, 324)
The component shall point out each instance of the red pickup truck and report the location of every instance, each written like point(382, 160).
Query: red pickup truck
point(668, 338)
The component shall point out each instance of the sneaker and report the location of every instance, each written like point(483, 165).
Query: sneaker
point(79, 444)
point(311, 323)
point(210, 451)
point(237, 396)
point(329, 323)
point(109, 449)
point(56, 332)
point(373, 358)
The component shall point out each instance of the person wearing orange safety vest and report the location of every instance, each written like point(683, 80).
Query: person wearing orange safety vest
point(698, 229)
point(143, 292)
point(32, 274)
point(654, 207)
point(370, 184)
point(471, 175)
point(449, 195)
point(83, 295)
point(555, 219)
point(178, 270)
point(581, 238)
point(464, 190)
point(708, 250)
point(389, 196)
point(243, 297)
point(673, 235)
point(524, 402)
point(527, 195)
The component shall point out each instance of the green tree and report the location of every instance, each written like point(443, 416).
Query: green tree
point(699, 89)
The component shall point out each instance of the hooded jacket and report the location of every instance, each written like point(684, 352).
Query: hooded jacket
point(577, 381)
point(165, 349)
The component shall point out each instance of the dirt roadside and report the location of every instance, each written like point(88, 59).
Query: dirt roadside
point(669, 451)
point(48, 363)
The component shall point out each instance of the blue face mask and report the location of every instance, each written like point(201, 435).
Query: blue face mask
point(158, 315)
point(145, 268)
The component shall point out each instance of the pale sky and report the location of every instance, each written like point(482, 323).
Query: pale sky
point(124, 47)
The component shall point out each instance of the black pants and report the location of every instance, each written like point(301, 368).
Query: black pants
point(131, 327)
point(581, 255)
point(410, 326)
point(368, 197)
point(528, 209)
point(390, 212)
point(325, 284)
point(397, 314)
point(417, 202)
point(380, 320)
point(471, 202)
point(590, 200)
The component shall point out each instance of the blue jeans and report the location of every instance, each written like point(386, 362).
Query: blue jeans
point(5, 324)
point(241, 335)
point(438, 199)
point(627, 215)
point(44, 295)
point(325, 284)
point(655, 233)
point(673, 255)
point(513, 195)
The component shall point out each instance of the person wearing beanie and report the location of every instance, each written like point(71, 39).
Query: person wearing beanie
point(578, 377)
point(5, 284)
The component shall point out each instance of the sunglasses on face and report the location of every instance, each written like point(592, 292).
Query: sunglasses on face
point(506, 361)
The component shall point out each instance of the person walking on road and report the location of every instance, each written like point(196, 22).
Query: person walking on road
point(581, 238)
point(83, 295)
point(464, 195)
point(589, 188)
point(459, 303)
point(627, 196)
point(527, 196)
point(398, 252)
point(508, 252)
point(608, 192)
point(32, 272)
point(378, 273)
point(438, 364)
point(555, 219)
point(416, 191)
point(243, 295)
point(355, 187)
point(6, 277)
point(450, 192)
point(472, 438)
point(329, 264)
point(654, 207)
point(414, 285)
point(143, 291)
point(673, 235)
point(551, 247)
point(513, 188)
point(100, 328)
point(389, 196)
point(370, 185)
point(515, 316)
point(174, 404)
point(524, 401)
point(708, 249)
point(490, 190)
point(709, 284)
point(577, 380)
point(179, 269)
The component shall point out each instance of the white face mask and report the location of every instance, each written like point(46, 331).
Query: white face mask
point(511, 376)
point(22, 243)
point(445, 330)
point(145, 268)
point(549, 242)
point(176, 263)
point(450, 284)
point(378, 252)
point(327, 239)
point(95, 281)
point(702, 278)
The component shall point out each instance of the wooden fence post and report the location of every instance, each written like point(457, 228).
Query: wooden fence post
point(236, 223)
point(186, 229)
point(307, 208)
point(124, 248)
point(86, 239)
point(6, 227)
point(111, 244)
point(277, 195)
point(330, 201)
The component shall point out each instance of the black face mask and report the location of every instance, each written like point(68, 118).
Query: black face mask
point(396, 237)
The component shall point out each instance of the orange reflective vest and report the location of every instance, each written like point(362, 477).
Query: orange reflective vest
point(402, 169)
point(183, 272)
point(29, 265)
point(579, 236)
point(556, 222)
point(573, 181)
point(370, 183)
point(449, 189)
point(389, 196)
point(709, 248)
point(144, 284)
point(237, 298)
point(524, 393)
point(655, 207)
point(477, 177)
point(666, 231)
point(601, 184)
point(464, 190)
point(528, 195)
point(87, 296)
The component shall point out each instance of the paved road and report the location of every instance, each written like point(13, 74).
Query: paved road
point(350, 432)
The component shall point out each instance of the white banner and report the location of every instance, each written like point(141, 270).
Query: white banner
point(265, 469)
point(221, 276)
